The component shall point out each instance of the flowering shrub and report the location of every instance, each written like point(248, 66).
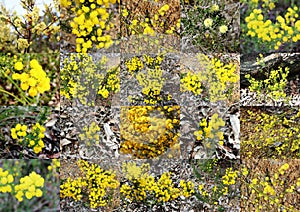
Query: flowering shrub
point(28, 79)
point(141, 187)
point(29, 137)
point(211, 191)
point(269, 28)
point(273, 86)
point(210, 134)
point(32, 31)
point(269, 135)
point(90, 134)
point(150, 17)
point(148, 131)
point(210, 25)
point(150, 26)
point(84, 79)
point(151, 77)
point(215, 82)
point(95, 184)
point(269, 185)
point(93, 22)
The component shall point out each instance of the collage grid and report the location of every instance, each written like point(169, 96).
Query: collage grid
point(149, 105)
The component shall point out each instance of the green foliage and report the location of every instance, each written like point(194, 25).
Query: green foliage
point(141, 187)
point(214, 182)
point(270, 135)
point(209, 25)
point(216, 82)
point(31, 32)
point(270, 185)
point(272, 85)
point(83, 79)
point(96, 185)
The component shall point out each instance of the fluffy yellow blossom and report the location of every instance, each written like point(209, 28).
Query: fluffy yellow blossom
point(19, 66)
point(208, 22)
point(223, 29)
point(29, 186)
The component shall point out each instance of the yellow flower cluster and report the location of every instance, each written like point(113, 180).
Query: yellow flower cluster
point(214, 8)
point(29, 30)
point(30, 137)
point(111, 82)
point(285, 29)
point(30, 186)
point(283, 168)
point(209, 133)
point(165, 189)
point(230, 177)
point(152, 83)
point(269, 4)
point(72, 188)
point(187, 188)
point(6, 35)
point(35, 80)
point(217, 79)
point(92, 23)
point(91, 134)
point(265, 189)
point(97, 184)
point(55, 165)
point(192, 82)
point(140, 178)
point(272, 87)
point(83, 79)
point(36, 142)
point(221, 185)
point(224, 72)
point(136, 64)
point(141, 186)
point(5, 181)
point(270, 135)
point(148, 131)
point(221, 79)
point(18, 132)
point(160, 19)
point(149, 75)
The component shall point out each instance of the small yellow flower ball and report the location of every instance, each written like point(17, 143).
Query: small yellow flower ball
point(19, 66)
point(208, 22)
point(223, 29)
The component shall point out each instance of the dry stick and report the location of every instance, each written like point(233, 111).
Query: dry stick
point(26, 50)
